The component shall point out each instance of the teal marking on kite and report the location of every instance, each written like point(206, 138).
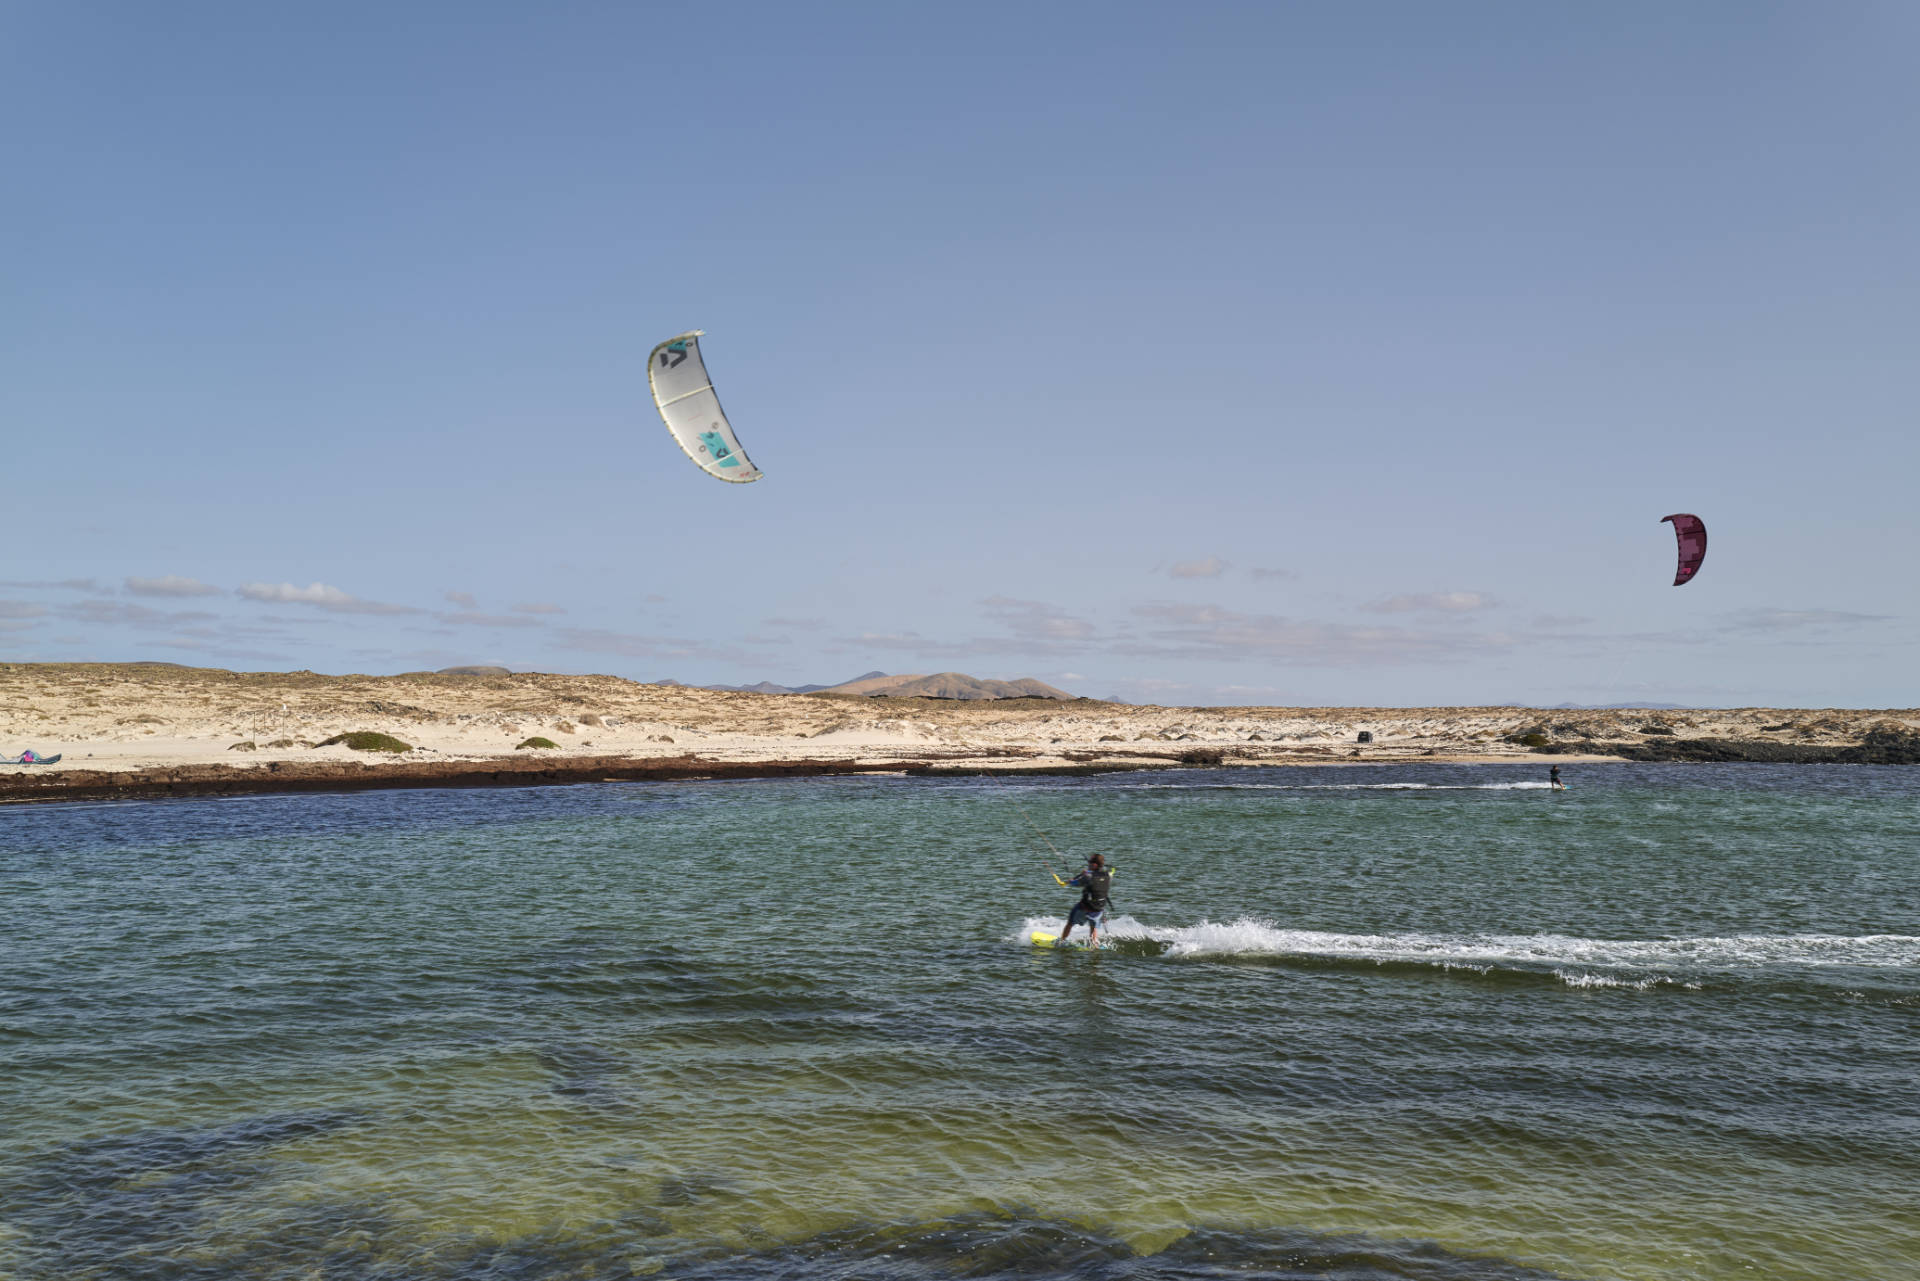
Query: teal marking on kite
point(718, 448)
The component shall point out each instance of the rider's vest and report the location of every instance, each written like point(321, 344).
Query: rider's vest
point(1093, 892)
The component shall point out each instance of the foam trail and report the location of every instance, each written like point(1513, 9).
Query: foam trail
point(1529, 786)
point(1579, 962)
point(1730, 952)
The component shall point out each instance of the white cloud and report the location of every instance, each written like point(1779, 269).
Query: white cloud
point(912, 642)
point(1209, 567)
point(1187, 614)
point(289, 620)
point(488, 620)
point(601, 641)
point(539, 607)
point(1209, 631)
point(320, 596)
point(63, 584)
point(170, 585)
point(21, 609)
point(1799, 620)
point(1036, 620)
point(125, 614)
point(1035, 628)
point(213, 649)
point(463, 599)
point(1431, 603)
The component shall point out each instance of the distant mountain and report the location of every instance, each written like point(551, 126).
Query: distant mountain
point(946, 685)
point(768, 687)
point(956, 685)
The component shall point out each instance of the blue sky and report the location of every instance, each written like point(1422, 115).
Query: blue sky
point(1208, 353)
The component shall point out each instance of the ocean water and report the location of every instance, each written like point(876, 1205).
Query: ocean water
point(1358, 1022)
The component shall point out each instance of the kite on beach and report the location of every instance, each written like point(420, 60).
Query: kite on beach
point(30, 757)
point(691, 409)
point(1691, 532)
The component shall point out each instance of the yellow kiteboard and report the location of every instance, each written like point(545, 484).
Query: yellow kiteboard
point(1047, 938)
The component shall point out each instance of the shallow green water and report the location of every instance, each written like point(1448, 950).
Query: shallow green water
point(1402, 1022)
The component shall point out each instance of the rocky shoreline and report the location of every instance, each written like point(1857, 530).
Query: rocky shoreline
point(1877, 747)
point(358, 776)
point(55, 784)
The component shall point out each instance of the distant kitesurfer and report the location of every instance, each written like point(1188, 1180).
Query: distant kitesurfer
point(1553, 780)
point(1093, 884)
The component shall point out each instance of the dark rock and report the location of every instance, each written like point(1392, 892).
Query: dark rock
point(1876, 747)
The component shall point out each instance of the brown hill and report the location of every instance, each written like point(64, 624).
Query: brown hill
point(947, 685)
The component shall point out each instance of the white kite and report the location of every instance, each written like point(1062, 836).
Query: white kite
point(691, 409)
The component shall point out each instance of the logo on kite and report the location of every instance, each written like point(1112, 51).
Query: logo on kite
point(688, 405)
point(1691, 533)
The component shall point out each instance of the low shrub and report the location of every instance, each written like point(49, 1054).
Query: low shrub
point(536, 741)
point(1202, 756)
point(367, 740)
point(248, 746)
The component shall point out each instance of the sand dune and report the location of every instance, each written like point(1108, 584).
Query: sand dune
point(105, 717)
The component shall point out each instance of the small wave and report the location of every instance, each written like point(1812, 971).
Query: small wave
point(1582, 979)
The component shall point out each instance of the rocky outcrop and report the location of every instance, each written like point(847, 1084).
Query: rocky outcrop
point(1876, 747)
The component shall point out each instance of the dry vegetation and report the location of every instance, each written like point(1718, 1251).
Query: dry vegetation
point(133, 716)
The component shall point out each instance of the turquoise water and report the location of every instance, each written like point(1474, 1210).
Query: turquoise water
point(1362, 1022)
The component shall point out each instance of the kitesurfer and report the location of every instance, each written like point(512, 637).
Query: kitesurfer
point(1093, 884)
point(1553, 779)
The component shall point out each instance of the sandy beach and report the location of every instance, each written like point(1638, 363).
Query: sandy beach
point(137, 728)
